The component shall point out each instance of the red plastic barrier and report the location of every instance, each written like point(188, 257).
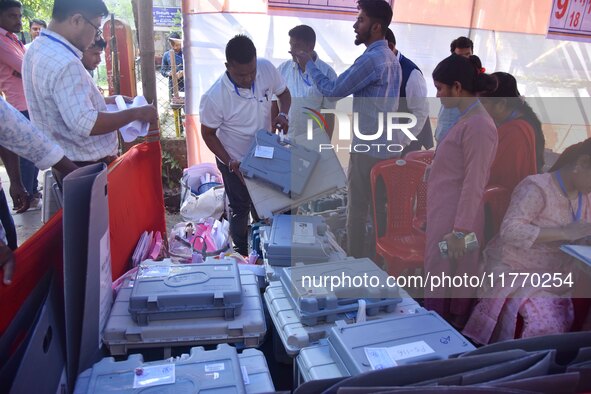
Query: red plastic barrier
point(33, 259)
point(136, 201)
point(136, 204)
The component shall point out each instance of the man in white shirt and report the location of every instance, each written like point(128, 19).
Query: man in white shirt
point(35, 27)
point(302, 88)
point(413, 95)
point(232, 111)
point(63, 99)
point(19, 137)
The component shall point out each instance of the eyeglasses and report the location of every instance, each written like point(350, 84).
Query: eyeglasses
point(99, 31)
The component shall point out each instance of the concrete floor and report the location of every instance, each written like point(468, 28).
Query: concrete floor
point(26, 223)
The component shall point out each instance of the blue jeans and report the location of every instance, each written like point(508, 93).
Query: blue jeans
point(29, 172)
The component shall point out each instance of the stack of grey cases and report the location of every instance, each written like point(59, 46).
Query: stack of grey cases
point(186, 305)
point(295, 336)
point(286, 166)
point(215, 371)
point(315, 302)
point(294, 239)
point(352, 349)
point(167, 292)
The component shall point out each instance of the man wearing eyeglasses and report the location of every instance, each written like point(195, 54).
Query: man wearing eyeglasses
point(12, 53)
point(232, 111)
point(63, 99)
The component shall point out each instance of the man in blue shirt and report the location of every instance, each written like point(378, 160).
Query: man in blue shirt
point(448, 117)
point(374, 81)
point(166, 69)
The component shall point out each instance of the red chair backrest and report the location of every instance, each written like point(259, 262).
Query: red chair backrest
point(424, 156)
point(496, 201)
point(400, 180)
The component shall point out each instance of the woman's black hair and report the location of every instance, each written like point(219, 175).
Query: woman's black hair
point(507, 88)
point(572, 154)
point(467, 71)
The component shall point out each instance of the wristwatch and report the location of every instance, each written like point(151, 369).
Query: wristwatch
point(284, 115)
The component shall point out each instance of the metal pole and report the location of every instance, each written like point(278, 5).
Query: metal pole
point(115, 59)
point(146, 42)
point(472, 15)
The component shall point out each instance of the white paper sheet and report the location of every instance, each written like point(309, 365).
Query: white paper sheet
point(135, 129)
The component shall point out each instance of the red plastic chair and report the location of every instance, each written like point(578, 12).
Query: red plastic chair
point(496, 201)
point(400, 246)
point(424, 156)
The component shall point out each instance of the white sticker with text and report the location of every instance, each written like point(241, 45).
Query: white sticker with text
point(154, 375)
point(264, 152)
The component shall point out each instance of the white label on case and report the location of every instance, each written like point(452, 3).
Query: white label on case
point(154, 375)
point(245, 377)
point(214, 367)
point(264, 152)
point(409, 350)
point(154, 271)
point(379, 358)
point(303, 233)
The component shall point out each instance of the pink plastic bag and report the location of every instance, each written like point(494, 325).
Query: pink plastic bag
point(203, 237)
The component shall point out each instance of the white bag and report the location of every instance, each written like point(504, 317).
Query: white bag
point(210, 204)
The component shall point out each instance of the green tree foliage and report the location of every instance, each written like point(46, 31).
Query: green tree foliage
point(122, 10)
point(39, 9)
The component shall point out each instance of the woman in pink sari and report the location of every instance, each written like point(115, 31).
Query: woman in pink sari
point(546, 211)
point(456, 183)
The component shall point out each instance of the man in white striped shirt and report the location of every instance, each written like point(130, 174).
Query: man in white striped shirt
point(63, 99)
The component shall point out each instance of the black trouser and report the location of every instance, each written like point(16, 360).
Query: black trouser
point(360, 206)
point(7, 222)
point(240, 208)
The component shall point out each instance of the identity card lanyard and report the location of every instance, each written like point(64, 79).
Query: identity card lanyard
point(576, 216)
point(305, 78)
point(238, 92)
point(60, 42)
point(254, 97)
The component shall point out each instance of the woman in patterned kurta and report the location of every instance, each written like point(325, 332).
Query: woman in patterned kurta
point(540, 218)
point(456, 183)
